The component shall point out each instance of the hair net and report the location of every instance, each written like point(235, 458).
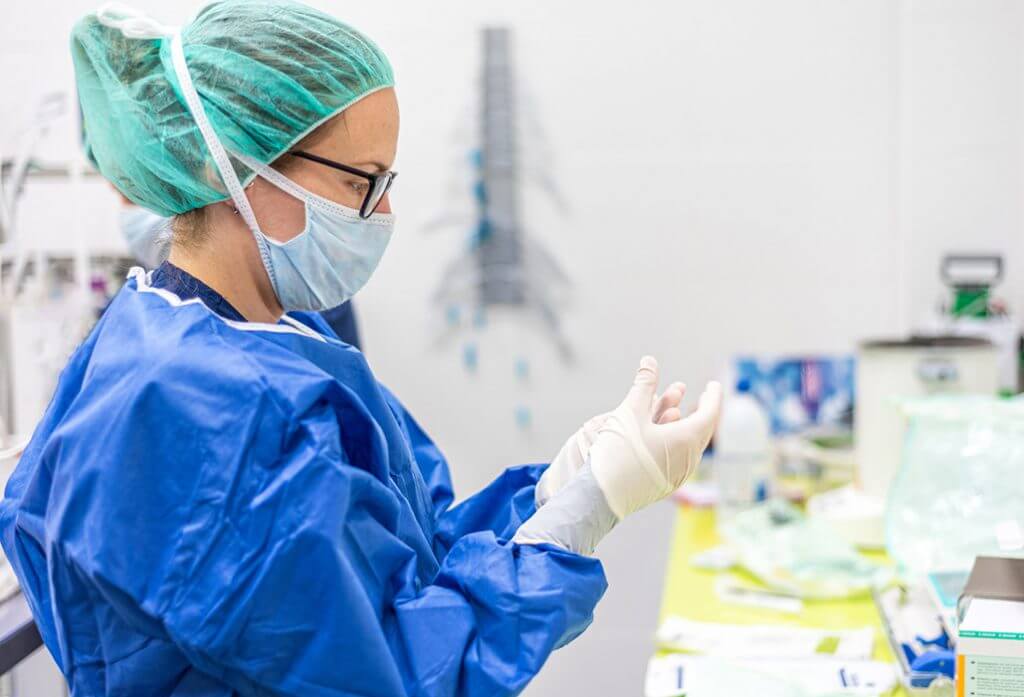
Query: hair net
point(267, 72)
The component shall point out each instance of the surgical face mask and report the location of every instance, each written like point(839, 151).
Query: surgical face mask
point(332, 258)
point(147, 234)
point(334, 255)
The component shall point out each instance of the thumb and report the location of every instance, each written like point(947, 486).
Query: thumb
point(645, 385)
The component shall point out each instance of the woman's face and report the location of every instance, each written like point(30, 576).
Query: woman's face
point(364, 136)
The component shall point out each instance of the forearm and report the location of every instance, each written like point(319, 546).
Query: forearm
point(494, 614)
point(576, 519)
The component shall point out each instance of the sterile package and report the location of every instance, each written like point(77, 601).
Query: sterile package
point(990, 653)
point(959, 489)
point(990, 612)
point(679, 675)
point(763, 641)
point(917, 640)
point(804, 557)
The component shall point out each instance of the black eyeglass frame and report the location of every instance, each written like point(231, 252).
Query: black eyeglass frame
point(376, 179)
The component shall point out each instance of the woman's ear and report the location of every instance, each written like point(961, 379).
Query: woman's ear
point(281, 216)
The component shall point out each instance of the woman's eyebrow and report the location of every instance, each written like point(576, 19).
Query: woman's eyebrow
point(380, 167)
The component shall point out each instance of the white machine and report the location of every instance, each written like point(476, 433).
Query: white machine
point(888, 372)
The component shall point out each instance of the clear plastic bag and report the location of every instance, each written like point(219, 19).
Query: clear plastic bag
point(960, 489)
point(806, 558)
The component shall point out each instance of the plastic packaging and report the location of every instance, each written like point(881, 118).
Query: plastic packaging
point(803, 557)
point(678, 675)
point(763, 641)
point(743, 456)
point(958, 492)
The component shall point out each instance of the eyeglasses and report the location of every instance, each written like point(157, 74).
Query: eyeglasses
point(380, 183)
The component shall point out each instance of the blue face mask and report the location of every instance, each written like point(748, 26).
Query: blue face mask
point(148, 235)
point(331, 259)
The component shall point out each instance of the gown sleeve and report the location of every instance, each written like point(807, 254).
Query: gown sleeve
point(288, 575)
point(500, 508)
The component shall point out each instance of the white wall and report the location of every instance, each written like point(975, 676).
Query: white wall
point(729, 165)
point(966, 138)
point(729, 171)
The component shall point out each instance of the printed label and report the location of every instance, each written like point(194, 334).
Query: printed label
point(985, 676)
point(972, 634)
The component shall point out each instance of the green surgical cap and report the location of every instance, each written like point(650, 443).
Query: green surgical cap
point(267, 72)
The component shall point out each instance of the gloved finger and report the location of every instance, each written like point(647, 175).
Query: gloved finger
point(585, 437)
point(594, 424)
point(588, 433)
point(645, 385)
point(670, 398)
point(701, 423)
point(670, 415)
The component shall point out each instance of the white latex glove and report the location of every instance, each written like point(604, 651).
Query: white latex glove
point(569, 460)
point(637, 461)
point(643, 454)
point(577, 518)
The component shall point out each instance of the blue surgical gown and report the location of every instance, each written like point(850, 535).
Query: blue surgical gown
point(212, 507)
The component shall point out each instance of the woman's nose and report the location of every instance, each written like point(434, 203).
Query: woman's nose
point(385, 204)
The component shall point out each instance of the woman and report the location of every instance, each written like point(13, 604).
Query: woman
point(221, 499)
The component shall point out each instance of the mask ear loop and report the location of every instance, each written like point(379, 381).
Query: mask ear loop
point(217, 151)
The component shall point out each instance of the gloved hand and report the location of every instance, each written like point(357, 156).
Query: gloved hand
point(633, 461)
point(636, 461)
point(569, 460)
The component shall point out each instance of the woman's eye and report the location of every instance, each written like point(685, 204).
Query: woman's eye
point(359, 187)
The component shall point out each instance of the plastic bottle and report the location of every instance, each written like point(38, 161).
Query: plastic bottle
point(743, 464)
